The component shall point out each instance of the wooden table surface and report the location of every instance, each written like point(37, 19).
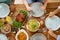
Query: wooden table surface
point(15, 12)
point(18, 7)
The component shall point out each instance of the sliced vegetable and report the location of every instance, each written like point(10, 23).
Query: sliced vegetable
point(33, 25)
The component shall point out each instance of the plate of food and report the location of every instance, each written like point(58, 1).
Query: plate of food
point(20, 19)
point(33, 25)
point(38, 36)
point(52, 23)
point(36, 11)
point(4, 10)
point(22, 35)
point(3, 37)
point(6, 28)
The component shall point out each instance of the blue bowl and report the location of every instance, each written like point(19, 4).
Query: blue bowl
point(4, 10)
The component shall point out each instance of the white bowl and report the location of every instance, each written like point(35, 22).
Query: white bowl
point(35, 30)
point(22, 30)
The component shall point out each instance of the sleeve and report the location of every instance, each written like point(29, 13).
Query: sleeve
point(58, 7)
point(2, 0)
point(29, 1)
point(58, 37)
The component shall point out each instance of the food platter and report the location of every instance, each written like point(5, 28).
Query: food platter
point(20, 19)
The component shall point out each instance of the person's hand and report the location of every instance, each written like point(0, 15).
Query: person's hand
point(51, 14)
point(29, 8)
point(50, 31)
point(43, 7)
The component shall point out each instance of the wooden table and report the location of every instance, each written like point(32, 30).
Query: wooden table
point(53, 2)
point(18, 7)
point(15, 12)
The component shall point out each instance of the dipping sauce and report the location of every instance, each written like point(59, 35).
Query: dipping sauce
point(22, 36)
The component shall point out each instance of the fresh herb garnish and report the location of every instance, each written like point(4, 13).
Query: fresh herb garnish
point(17, 24)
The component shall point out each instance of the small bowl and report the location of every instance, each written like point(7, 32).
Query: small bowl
point(3, 30)
point(22, 30)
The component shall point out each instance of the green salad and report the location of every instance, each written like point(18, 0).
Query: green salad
point(17, 24)
point(33, 25)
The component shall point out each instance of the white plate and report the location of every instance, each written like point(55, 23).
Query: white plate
point(38, 36)
point(4, 10)
point(20, 32)
point(37, 12)
point(53, 23)
point(3, 37)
